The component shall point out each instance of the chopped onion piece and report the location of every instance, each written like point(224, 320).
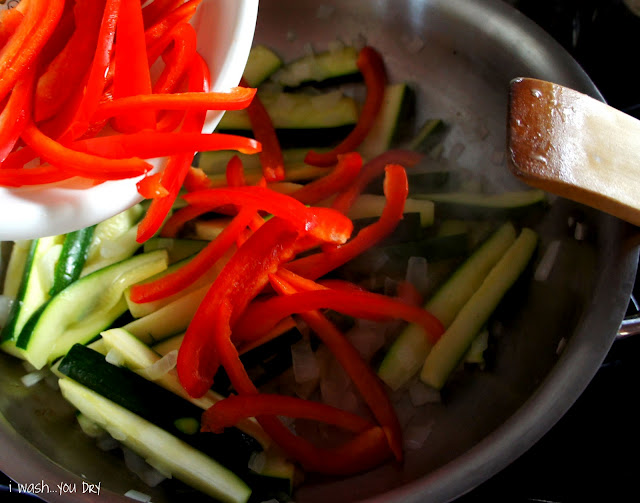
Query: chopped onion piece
point(138, 496)
point(33, 378)
point(161, 367)
point(416, 434)
point(148, 474)
point(456, 151)
point(420, 394)
point(106, 442)
point(547, 261)
point(257, 461)
point(413, 44)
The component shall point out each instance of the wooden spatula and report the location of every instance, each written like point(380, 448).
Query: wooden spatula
point(577, 147)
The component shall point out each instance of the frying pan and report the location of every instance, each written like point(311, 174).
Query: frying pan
point(459, 56)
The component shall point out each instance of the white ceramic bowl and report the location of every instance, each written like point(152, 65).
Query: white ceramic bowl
point(225, 34)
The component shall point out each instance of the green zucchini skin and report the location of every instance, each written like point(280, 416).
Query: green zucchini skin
point(262, 64)
point(75, 251)
point(231, 448)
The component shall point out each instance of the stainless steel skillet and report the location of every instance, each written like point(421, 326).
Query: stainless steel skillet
point(460, 56)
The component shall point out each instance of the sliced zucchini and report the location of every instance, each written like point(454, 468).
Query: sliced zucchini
point(177, 249)
point(34, 287)
point(87, 306)
point(169, 320)
point(15, 268)
point(408, 352)
point(73, 256)
point(428, 135)
point(113, 240)
point(371, 205)
point(392, 121)
point(156, 445)
point(139, 357)
point(300, 119)
point(327, 67)
point(262, 63)
point(455, 342)
point(476, 205)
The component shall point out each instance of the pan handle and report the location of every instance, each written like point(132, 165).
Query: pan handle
point(629, 326)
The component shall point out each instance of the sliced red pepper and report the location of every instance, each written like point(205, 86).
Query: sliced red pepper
point(177, 166)
point(236, 99)
point(177, 59)
point(231, 410)
point(179, 15)
point(149, 144)
point(364, 378)
point(150, 186)
point(27, 40)
point(271, 156)
point(342, 176)
point(98, 74)
point(155, 10)
point(323, 223)
point(371, 65)
point(19, 177)
point(133, 77)
point(196, 179)
point(367, 450)
point(235, 172)
point(372, 170)
point(176, 221)
point(242, 278)
point(66, 73)
point(16, 112)
point(262, 316)
point(178, 280)
point(396, 189)
point(80, 163)
point(10, 19)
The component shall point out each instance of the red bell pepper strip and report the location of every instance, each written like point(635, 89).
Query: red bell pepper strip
point(97, 78)
point(261, 317)
point(66, 72)
point(150, 186)
point(263, 130)
point(341, 177)
point(178, 165)
point(18, 158)
point(323, 223)
point(236, 99)
point(364, 378)
point(80, 163)
point(372, 170)
point(15, 114)
point(396, 190)
point(24, 45)
point(10, 19)
point(177, 59)
point(161, 27)
point(242, 278)
point(235, 172)
point(132, 77)
point(153, 12)
point(367, 450)
point(231, 410)
point(40, 175)
point(178, 280)
point(371, 66)
point(149, 144)
point(196, 179)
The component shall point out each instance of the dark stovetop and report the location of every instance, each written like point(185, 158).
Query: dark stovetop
point(590, 454)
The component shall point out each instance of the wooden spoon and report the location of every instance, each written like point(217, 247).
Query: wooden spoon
point(575, 146)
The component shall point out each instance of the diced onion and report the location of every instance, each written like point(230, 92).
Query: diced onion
point(136, 464)
point(417, 273)
point(305, 364)
point(33, 378)
point(420, 394)
point(257, 461)
point(547, 261)
point(138, 496)
point(416, 434)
